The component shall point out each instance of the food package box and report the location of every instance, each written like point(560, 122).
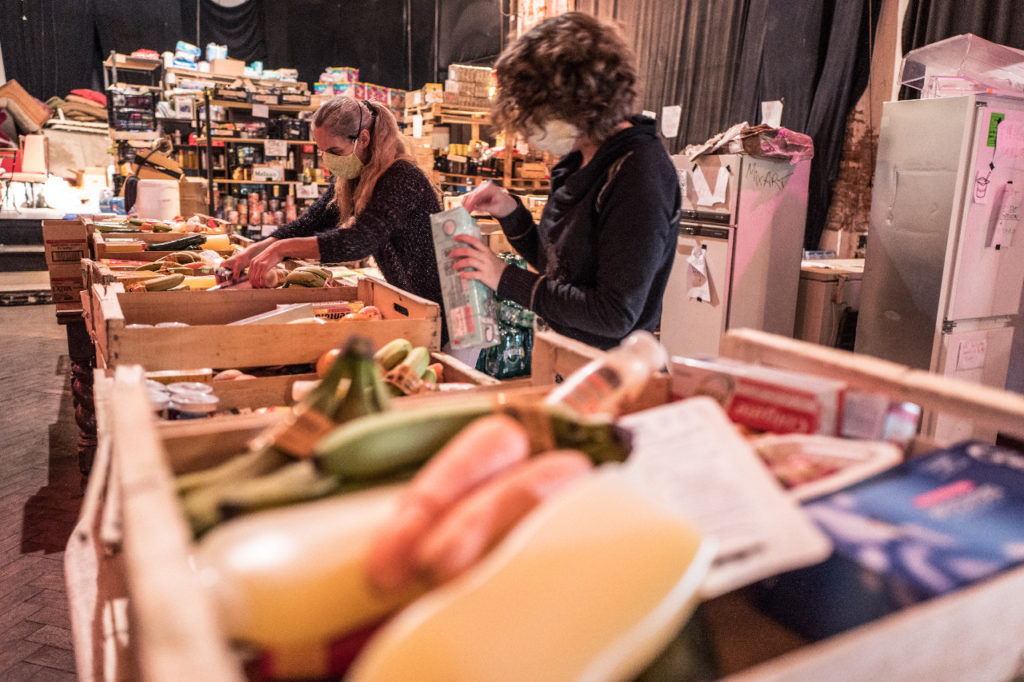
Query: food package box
point(344, 74)
point(937, 523)
point(227, 67)
point(323, 87)
point(763, 398)
point(469, 304)
point(66, 283)
point(358, 91)
point(231, 94)
point(299, 98)
point(66, 242)
point(470, 74)
point(396, 98)
point(271, 98)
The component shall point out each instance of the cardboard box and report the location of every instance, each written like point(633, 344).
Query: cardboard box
point(193, 197)
point(227, 67)
point(35, 110)
point(66, 242)
point(66, 283)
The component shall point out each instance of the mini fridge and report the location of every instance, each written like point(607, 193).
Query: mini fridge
point(944, 269)
point(828, 301)
point(738, 254)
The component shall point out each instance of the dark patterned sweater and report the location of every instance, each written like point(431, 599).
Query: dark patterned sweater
point(394, 228)
point(605, 242)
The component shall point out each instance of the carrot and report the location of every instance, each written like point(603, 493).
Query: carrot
point(477, 523)
point(478, 452)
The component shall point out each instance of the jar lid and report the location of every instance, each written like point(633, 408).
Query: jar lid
point(171, 324)
point(160, 399)
point(194, 402)
point(154, 385)
point(189, 387)
point(138, 326)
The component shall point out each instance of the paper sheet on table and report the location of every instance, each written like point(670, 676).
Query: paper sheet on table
point(698, 285)
point(688, 455)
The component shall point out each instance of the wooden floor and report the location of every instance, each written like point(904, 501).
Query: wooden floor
point(40, 493)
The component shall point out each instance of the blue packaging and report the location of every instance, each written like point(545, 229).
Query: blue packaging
point(186, 52)
point(936, 523)
point(112, 205)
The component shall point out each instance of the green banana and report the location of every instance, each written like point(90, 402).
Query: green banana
point(164, 283)
point(136, 221)
point(418, 359)
point(294, 482)
point(364, 395)
point(193, 242)
point(304, 278)
point(161, 227)
point(392, 353)
point(245, 465)
point(381, 444)
point(316, 270)
point(430, 376)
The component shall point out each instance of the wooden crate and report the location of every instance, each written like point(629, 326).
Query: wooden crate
point(266, 391)
point(975, 633)
point(100, 248)
point(209, 341)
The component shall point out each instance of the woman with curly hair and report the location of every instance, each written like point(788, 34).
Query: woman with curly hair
point(379, 204)
point(606, 240)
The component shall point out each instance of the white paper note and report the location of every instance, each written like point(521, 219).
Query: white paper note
point(306, 191)
point(417, 125)
point(970, 355)
point(260, 111)
point(648, 114)
point(688, 456)
point(698, 283)
point(705, 197)
point(670, 120)
point(771, 113)
point(275, 148)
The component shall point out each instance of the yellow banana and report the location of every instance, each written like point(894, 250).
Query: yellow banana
point(164, 283)
point(392, 353)
point(155, 265)
point(418, 359)
point(316, 270)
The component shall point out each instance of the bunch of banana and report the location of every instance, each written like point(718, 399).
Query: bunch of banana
point(407, 368)
point(165, 283)
point(274, 473)
point(310, 276)
point(391, 443)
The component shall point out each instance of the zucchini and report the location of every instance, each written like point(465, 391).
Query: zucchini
point(192, 242)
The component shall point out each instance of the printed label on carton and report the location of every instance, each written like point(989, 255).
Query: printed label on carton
point(469, 304)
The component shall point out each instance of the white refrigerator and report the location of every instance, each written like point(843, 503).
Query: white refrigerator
point(944, 267)
point(744, 217)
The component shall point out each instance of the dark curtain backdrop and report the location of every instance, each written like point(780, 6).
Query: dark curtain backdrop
point(53, 46)
point(928, 21)
point(815, 57)
point(687, 53)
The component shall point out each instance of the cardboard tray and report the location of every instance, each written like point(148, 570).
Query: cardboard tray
point(210, 342)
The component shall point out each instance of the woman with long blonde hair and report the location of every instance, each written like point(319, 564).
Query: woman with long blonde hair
point(378, 205)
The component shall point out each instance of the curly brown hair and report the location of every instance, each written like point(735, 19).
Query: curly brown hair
point(572, 67)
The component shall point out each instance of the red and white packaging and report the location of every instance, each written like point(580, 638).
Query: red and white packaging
point(763, 398)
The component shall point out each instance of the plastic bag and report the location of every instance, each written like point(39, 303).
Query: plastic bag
point(777, 143)
point(511, 356)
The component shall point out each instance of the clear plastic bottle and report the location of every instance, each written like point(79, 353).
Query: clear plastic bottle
point(600, 386)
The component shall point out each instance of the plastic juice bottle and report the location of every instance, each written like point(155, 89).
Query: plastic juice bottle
point(600, 386)
point(217, 242)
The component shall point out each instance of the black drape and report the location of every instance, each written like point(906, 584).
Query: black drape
point(687, 53)
point(815, 57)
point(49, 46)
point(242, 28)
point(928, 21)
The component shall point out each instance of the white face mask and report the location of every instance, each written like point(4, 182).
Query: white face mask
point(554, 137)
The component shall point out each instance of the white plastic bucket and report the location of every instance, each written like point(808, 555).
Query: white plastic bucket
point(157, 199)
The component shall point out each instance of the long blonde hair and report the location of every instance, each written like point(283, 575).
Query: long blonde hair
point(344, 116)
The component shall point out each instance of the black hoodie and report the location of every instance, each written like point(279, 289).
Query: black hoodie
point(605, 242)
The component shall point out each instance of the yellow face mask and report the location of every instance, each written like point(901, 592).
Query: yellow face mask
point(346, 167)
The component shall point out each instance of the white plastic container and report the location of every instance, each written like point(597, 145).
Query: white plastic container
point(157, 199)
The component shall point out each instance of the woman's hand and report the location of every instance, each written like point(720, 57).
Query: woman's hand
point(240, 261)
point(476, 261)
point(490, 198)
point(297, 247)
